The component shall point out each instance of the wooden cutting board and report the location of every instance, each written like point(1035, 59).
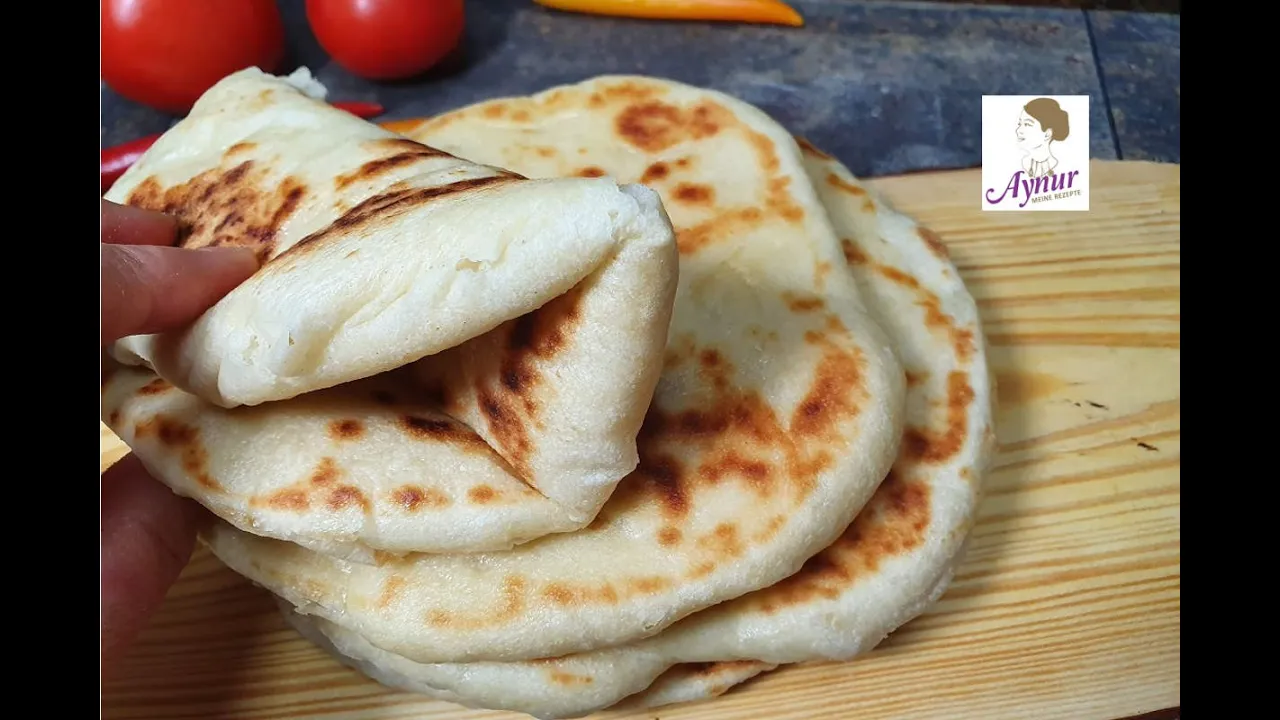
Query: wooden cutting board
point(1068, 603)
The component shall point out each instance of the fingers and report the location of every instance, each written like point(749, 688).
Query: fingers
point(150, 288)
point(147, 537)
point(128, 225)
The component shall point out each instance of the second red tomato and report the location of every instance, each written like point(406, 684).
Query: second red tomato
point(386, 39)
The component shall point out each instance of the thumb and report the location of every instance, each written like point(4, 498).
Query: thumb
point(150, 288)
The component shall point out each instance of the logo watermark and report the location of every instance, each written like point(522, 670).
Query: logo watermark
point(1035, 152)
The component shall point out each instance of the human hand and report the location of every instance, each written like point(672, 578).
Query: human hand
point(147, 531)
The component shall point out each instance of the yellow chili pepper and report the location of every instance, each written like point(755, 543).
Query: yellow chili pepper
point(401, 126)
point(747, 11)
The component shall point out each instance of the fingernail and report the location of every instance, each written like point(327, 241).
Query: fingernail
point(231, 255)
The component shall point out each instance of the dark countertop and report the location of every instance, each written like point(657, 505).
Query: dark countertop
point(886, 86)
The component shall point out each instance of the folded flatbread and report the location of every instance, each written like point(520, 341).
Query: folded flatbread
point(541, 308)
point(777, 415)
point(886, 568)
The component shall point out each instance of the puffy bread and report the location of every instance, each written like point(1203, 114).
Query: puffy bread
point(777, 415)
point(550, 401)
point(886, 568)
point(377, 251)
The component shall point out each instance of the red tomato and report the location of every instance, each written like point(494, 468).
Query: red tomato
point(386, 39)
point(166, 53)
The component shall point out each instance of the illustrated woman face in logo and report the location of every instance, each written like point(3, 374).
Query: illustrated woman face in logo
point(1041, 122)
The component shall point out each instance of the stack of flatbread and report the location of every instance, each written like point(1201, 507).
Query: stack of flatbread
point(612, 396)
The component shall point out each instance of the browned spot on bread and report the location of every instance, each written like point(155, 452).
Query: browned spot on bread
point(963, 343)
point(694, 194)
point(287, 499)
point(481, 494)
point(962, 339)
point(185, 440)
point(691, 240)
point(655, 172)
point(238, 148)
point(545, 152)
point(514, 592)
point(299, 495)
point(579, 594)
point(595, 100)
point(651, 585)
point(412, 498)
point(591, 171)
point(405, 155)
point(155, 387)
point(868, 205)
point(349, 429)
point(742, 441)
point(680, 349)
point(442, 429)
point(893, 522)
point(701, 570)
point(934, 242)
point(915, 378)
point(834, 395)
point(387, 205)
point(559, 594)
point(326, 473)
point(723, 542)
point(852, 254)
point(509, 432)
point(662, 474)
point(113, 418)
point(754, 473)
point(653, 125)
point(606, 593)
point(779, 200)
point(509, 405)
point(390, 591)
point(495, 110)
point(775, 523)
point(820, 274)
point(899, 277)
point(684, 162)
point(928, 446)
point(808, 147)
point(802, 304)
point(569, 679)
point(520, 116)
point(345, 496)
point(669, 536)
point(242, 205)
point(840, 183)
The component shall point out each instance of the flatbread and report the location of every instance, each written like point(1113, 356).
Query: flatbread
point(522, 431)
point(689, 682)
point(778, 413)
point(889, 565)
point(377, 250)
point(694, 682)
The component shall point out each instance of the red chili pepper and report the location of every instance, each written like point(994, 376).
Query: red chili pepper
point(115, 160)
point(364, 110)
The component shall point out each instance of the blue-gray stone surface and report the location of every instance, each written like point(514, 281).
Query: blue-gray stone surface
point(887, 87)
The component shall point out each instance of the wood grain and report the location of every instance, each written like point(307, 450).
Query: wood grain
point(1068, 602)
